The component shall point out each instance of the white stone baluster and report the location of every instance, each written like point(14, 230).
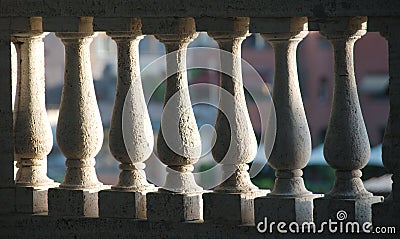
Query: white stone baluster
point(178, 142)
point(386, 213)
point(33, 136)
point(79, 128)
point(32, 130)
point(130, 121)
point(347, 146)
point(235, 142)
point(289, 200)
point(7, 190)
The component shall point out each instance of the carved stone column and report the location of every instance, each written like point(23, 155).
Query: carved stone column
point(32, 130)
point(235, 142)
point(387, 213)
point(347, 146)
point(33, 137)
point(131, 135)
point(79, 128)
point(289, 200)
point(178, 142)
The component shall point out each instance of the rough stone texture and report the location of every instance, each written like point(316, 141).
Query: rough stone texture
point(174, 207)
point(70, 202)
point(14, 226)
point(199, 8)
point(285, 209)
point(235, 142)
point(122, 204)
point(31, 199)
point(230, 208)
point(182, 146)
point(357, 210)
point(346, 147)
point(79, 127)
point(70, 227)
point(131, 135)
point(33, 136)
point(292, 147)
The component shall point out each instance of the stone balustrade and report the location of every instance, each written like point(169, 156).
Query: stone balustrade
point(81, 204)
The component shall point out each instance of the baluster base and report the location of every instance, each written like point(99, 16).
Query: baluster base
point(32, 199)
point(123, 204)
point(74, 202)
point(230, 208)
point(133, 178)
point(353, 210)
point(289, 184)
point(236, 179)
point(33, 173)
point(348, 185)
point(285, 209)
point(81, 174)
point(174, 207)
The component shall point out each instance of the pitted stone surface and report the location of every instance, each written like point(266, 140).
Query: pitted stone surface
point(357, 210)
point(174, 207)
point(122, 204)
point(131, 136)
point(79, 126)
point(70, 202)
point(346, 147)
point(200, 8)
point(31, 199)
point(296, 209)
point(235, 142)
point(230, 208)
point(180, 147)
point(292, 147)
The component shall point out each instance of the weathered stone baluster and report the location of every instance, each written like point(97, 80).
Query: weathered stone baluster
point(33, 136)
point(387, 213)
point(289, 200)
point(79, 128)
point(130, 121)
point(235, 142)
point(346, 147)
point(178, 142)
point(7, 190)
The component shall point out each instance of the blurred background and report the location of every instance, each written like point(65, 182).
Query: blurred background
point(316, 77)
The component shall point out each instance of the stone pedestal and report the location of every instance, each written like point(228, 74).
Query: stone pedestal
point(230, 208)
point(174, 207)
point(73, 202)
point(32, 199)
point(122, 204)
point(354, 210)
point(7, 200)
point(290, 209)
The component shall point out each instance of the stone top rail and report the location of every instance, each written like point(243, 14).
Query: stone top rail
point(198, 8)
